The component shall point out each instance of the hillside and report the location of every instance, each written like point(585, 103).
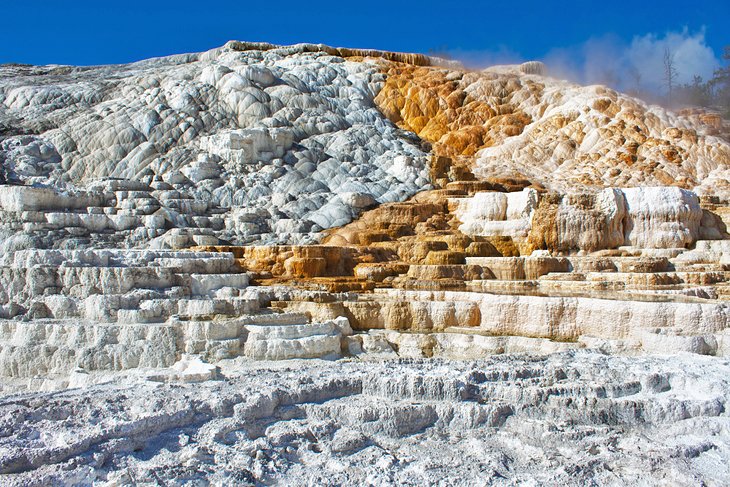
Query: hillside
point(272, 264)
point(258, 143)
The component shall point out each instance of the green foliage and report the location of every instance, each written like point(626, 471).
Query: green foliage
point(697, 93)
point(720, 85)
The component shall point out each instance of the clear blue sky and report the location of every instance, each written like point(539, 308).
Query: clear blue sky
point(100, 32)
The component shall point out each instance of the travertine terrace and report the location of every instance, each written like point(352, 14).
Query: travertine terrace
point(467, 260)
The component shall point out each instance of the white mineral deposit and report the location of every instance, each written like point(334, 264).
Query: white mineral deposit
point(306, 265)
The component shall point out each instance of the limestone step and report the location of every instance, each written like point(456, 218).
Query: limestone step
point(650, 279)
point(706, 251)
point(318, 346)
point(149, 315)
point(460, 272)
point(205, 284)
point(215, 339)
point(108, 258)
point(270, 331)
point(377, 272)
point(220, 264)
point(275, 319)
point(520, 268)
point(713, 245)
point(194, 308)
point(702, 267)
point(426, 284)
point(272, 341)
point(48, 347)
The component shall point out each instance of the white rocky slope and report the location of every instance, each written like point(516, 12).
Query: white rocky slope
point(569, 419)
point(247, 142)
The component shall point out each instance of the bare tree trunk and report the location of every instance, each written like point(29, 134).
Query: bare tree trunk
point(670, 73)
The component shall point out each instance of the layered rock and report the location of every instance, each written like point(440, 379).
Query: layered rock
point(243, 143)
point(602, 419)
point(115, 310)
point(277, 341)
point(460, 215)
point(280, 143)
point(649, 217)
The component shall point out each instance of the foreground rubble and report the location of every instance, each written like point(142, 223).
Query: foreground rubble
point(570, 418)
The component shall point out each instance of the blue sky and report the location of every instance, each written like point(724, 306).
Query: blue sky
point(567, 33)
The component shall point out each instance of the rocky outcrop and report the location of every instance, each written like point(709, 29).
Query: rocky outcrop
point(403, 209)
point(246, 143)
point(661, 217)
point(650, 217)
point(280, 143)
point(520, 124)
point(276, 341)
point(511, 418)
point(114, 310)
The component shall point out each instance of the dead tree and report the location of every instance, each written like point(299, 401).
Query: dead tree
point(670, 73)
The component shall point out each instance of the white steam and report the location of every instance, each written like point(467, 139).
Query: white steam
point(637, 66)
point(692, 57)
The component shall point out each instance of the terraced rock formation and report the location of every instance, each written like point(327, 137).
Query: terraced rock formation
point(244, 143)
point(520, 124)
point(406, 213)
point(572, 419)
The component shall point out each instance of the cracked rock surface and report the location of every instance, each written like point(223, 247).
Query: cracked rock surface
point(516, 280)
point(244, 144)
point(571, 418)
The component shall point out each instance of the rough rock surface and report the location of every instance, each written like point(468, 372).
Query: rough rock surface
point(496, 277)
point(648, 217)
point(242, 143)
point(520, 124)
point(569, 419)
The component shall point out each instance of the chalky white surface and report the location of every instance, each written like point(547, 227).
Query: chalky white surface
point(242, 146)
point(569, 419)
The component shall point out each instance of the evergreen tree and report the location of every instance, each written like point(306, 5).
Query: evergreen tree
point(720, 86)
point(697, 93)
